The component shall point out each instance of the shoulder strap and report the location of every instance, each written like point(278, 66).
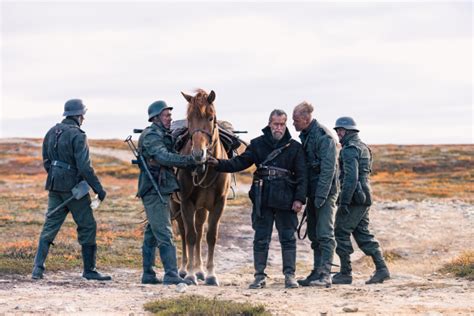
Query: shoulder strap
point(275, 153)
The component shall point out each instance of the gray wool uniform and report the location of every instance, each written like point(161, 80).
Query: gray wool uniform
point(321, 160)
point(356, 163)
point(66, 160)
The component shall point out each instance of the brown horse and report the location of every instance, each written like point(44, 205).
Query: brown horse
point(203, 191)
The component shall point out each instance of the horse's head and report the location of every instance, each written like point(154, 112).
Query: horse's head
point(202, 125)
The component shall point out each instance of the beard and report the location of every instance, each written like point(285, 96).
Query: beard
point(277, 135)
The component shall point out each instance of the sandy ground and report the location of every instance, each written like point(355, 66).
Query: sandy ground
point(424, 234)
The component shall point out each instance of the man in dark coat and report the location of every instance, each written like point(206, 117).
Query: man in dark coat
point(66, 160)
point(278, 193)
point(156, 146)
point(321, 160)
point(352, 217)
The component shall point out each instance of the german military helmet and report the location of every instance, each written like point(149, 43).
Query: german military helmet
point(156, 108)
point(74, 107)
point(346, 122)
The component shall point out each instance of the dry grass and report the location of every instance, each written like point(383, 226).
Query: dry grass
point(194, 305)
point(461, 266)
point(400, 172)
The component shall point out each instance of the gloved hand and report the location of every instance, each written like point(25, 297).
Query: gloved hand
point(211, 161)
point(319, 201)
point(343, 209)
point(101, 195)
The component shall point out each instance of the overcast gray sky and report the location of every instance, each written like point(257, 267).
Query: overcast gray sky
point(403, 70)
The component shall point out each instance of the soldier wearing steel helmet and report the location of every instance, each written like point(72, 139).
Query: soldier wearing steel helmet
point(156, 146)
point(66, 160)
point(352, 217)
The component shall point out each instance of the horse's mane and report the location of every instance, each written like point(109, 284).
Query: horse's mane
point(199, 106)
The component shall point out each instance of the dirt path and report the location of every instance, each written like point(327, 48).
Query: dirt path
point(423, 234)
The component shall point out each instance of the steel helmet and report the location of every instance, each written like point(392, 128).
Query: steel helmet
point(74, 107)
point(156, 108)
point(347, 123)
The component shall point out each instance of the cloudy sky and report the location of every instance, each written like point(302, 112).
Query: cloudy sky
point(403, 70)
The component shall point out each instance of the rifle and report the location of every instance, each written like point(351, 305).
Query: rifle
point(141, 162)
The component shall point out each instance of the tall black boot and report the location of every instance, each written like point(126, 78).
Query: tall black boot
point(40, 258)
point(344, 276)
point(170, 265)
point(289, 267)
point(381, 271)
point(149, 275)
point(89, 253)
point(316, 272)
point(260, 263)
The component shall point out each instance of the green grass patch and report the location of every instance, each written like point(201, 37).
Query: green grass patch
point(194, 305)
point(461, 266)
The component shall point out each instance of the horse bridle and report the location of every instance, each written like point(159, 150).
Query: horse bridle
point(207, 133)
point(209, 149)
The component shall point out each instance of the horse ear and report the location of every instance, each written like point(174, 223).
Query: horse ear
point(211, 97)
point(187, 97)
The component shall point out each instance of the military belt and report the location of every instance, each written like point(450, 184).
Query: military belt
point(63, 165)
point(269, 173)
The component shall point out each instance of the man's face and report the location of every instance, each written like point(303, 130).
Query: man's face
point(165, 118)
point(81, 119)
point(300, 122)
point(278, 126)
point(341, 132)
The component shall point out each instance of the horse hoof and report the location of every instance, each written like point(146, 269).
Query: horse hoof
point(212, 280)
point(200, 275)
point(182, 273)
point(192, 278)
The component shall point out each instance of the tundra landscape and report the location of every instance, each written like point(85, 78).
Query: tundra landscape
point(423, 216)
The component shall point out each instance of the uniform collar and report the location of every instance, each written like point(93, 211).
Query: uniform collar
point(70, 121)
point(347, 138)
point(304, 133)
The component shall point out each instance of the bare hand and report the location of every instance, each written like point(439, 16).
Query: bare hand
point(211, 161)
point(297, 206)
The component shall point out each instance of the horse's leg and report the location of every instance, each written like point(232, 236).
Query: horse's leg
point(184, 256)
point(212, 232)
point(201, 216)
point(188, 212)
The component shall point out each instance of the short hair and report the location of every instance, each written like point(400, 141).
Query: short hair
point(304, 109)
point(276, 112)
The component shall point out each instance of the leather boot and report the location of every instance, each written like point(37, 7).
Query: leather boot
point(324, 277)
point(381, 271)
point(149, 275)
point(290, 281)
point(260, 263)
point(315, 273)
point(289, 267)
point(40, 258)
point(89, 254)
point(344, 276)
point(170, 265)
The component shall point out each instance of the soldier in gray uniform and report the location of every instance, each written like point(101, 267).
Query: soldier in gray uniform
point(156, 146)
point(66, 160)
point(352, 216)
point(321, 164)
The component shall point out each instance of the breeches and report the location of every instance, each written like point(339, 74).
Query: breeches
point(81, 213)
point(158, 230)
point(357, 224)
